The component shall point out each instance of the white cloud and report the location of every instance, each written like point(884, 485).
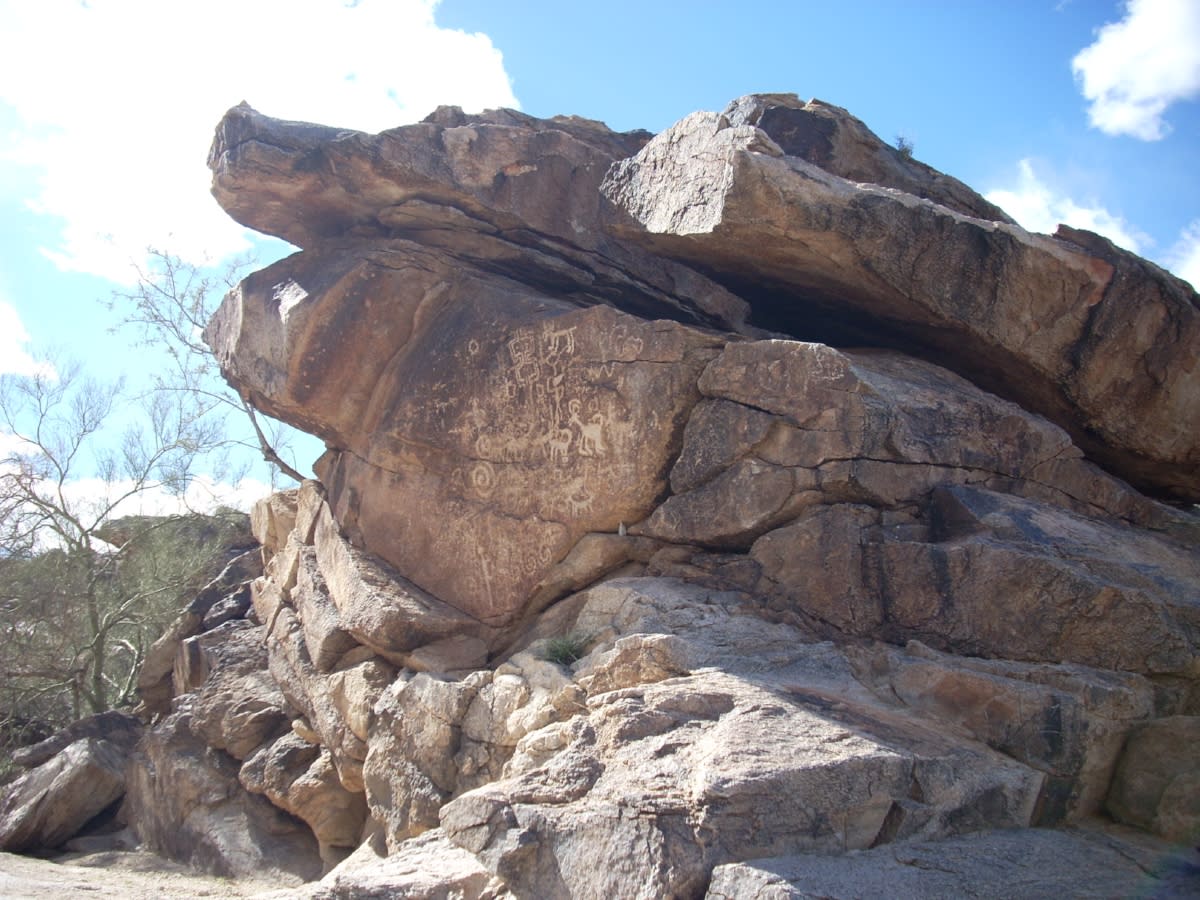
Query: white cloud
point(15, 358)
point(1039, 207)
point(203, 495)
point(1184, 257)
point(119, 99)
point(1139, 66)
point(89, 497)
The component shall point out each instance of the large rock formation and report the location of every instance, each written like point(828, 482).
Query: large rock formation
point(696, 508)
point(774, 203)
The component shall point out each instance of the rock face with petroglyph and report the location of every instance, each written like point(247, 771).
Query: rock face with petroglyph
point(696, 509)
point(770, 419)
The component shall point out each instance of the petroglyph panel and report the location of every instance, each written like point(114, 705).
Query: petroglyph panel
point(513, 426)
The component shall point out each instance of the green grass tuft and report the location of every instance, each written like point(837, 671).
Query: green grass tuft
point(567, 648)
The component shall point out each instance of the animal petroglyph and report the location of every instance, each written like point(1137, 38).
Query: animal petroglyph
point(590, 433)
point(557, 443)
point(557, 341)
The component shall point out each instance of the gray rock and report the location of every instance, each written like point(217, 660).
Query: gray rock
point(1157, 782)
point(184, 801)
point(1106, 353)
point(48, 805)
point(1027, 864)
point(114, 726)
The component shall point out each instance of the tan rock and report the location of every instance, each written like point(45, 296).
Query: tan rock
point(990, 865)
point(354, 687)
point(300, 779)
point(113, 726)
point(518, 404)
point(1067, 721)
point(307, 690)
point(309, 504)
point(1106, 349)
point(518, 191)
point(459, 653)
point(829, 137)
point(410, 769)
point(791, 425)
point(700, 717)
point(272, 520)
point(377, 606)
point(237, 706)
point(154, 683)
point(327, 641)
point(679, 751)
point(633, 660)
point(987, 568)
point(428, 867)
point(1157, 781)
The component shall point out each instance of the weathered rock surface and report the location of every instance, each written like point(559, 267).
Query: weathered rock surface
point(511, 192)
point(185, 802)
point(1098, 340)
point(430, 868)
point(48, 805)
point(115, 727)
point(683, 770)
point(301, 779)
point(1014, 865)
point(1067, 721)
point(488, 402)
point(845, 567)
point(155, 679)
point(607, 593)
point(237, 706)
point(1157, 786)
point(906, 583)
point(829, 137)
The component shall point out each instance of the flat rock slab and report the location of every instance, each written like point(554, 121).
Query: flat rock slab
point(1026, 864)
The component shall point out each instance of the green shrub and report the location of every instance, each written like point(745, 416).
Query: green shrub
point(567, 648)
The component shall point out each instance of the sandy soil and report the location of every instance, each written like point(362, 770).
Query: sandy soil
point(129, 875)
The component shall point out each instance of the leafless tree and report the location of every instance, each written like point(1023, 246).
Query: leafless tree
point(79, 600)
point(169, 306)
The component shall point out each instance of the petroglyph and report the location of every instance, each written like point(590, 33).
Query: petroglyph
point(511, 432)
point(590, 433)
point(483, 478)
point(556, 341)
point(557, 443)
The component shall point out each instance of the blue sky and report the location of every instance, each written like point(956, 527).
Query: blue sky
point(1083, 111)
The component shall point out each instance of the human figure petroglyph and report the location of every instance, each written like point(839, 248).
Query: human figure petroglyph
point(526, 367)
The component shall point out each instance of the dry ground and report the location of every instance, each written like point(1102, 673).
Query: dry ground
point(129, 875)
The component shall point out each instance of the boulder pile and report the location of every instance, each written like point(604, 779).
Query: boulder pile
point(745, 510)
